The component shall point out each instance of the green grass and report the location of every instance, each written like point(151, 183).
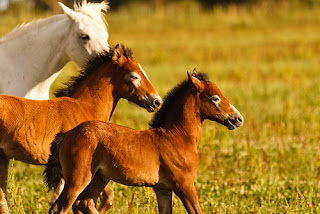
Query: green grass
point(266, 62)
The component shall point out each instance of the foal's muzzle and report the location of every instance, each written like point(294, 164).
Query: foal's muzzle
point(152, 102)
point(234, 120)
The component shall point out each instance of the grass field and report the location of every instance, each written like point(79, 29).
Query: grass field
point(266, 60)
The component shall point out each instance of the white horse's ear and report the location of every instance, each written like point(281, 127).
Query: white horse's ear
point(67, 10)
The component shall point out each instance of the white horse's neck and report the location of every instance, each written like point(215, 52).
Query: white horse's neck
point(35, 51)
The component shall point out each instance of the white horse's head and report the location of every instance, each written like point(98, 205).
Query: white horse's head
point(89, 35)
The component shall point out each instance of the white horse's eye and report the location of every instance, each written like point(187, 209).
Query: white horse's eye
point(85, 37)
point(215, 99)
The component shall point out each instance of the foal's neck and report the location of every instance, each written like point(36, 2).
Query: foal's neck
point(184, 118)
point(98, 91)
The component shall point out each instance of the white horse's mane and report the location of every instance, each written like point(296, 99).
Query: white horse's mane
point(95, 11)
point(24, 27)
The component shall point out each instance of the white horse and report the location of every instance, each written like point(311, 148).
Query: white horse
point(31, 53)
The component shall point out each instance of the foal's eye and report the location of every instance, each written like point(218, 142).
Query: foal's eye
point(215, 99)
point(85, 37)
point(134, 77)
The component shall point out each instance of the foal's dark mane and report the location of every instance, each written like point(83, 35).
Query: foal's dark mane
point(174, 94)
point(92, 65)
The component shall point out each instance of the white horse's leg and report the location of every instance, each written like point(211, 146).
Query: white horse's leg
point(41, 90)
point(4, 167)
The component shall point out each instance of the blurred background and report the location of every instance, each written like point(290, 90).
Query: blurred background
point(265, 57)
point(208, 5)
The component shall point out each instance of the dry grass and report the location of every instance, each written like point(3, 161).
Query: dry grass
point(266, 62)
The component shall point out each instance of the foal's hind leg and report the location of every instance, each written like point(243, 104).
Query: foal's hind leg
point(77, 175)
point(4, 167)
point(88, 198)
point(73, 187)
point(56, 192)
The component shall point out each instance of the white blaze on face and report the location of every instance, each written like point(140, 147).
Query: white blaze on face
point(144, 73)
point(236, 110)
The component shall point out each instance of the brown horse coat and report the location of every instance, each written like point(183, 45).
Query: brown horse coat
point(28, 127)
point(163, 157)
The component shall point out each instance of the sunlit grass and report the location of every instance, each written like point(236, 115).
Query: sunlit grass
point(266, 62)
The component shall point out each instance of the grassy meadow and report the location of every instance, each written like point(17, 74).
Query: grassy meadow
point(265, 59)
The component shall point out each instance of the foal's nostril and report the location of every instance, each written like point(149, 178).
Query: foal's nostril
point(239, 119)
point(156, 103)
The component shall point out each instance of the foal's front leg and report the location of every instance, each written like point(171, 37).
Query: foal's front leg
point(164, 198)
point(106, 200)
point(187, 193)
point(4, 167)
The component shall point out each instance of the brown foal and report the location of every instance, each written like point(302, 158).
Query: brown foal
point(163, 157)
point(28, 127)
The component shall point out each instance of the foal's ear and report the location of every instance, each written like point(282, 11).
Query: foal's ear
point(196, 83)
point(67, 10)
point(118, 57)
point(195, 72)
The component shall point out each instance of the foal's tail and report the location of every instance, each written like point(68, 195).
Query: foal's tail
point(53, 171)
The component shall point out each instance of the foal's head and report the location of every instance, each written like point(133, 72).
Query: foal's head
point(132, 82)
point(212, 104)
point(127, 77)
